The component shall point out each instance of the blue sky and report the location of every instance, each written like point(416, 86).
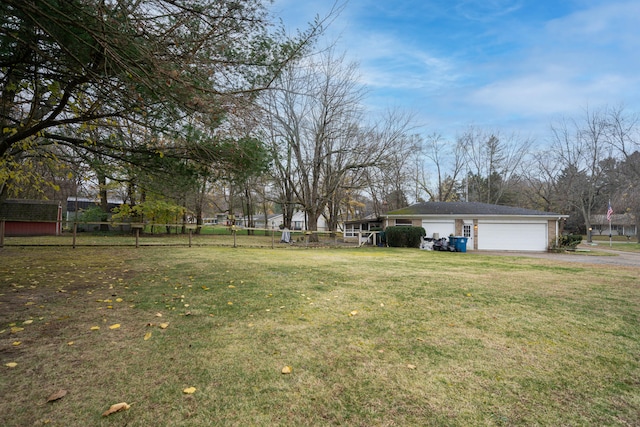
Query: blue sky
point(510, 66)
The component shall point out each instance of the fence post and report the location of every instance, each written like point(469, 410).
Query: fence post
point(2, 233)
point(137, 237)
point(189, 237)
point(75, 231)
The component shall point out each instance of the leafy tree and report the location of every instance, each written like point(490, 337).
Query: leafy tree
point(66, 66)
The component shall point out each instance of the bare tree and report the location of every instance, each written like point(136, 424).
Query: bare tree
point(390, 182)
point(320, 145)
point(623, 133)
point(445, 162)
point(581, 147)
point(493, 162)
point(624, 136)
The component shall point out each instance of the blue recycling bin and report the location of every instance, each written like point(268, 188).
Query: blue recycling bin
point(460, 243)
point(452, 243)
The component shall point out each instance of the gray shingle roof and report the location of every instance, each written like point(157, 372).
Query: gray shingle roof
point(29, 210)
point(466, 208)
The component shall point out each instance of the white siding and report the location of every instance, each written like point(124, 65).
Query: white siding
point(512, 236)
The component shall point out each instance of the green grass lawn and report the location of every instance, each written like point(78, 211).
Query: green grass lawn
point(373, 337)
point(618, 243)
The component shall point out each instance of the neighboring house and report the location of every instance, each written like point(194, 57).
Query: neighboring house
point(298, 221)
point(218, 219)
point(486, 226)
point(621, 225)
point(31, 217)
point(77, 205)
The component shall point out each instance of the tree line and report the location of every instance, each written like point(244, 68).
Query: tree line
point(187, 107)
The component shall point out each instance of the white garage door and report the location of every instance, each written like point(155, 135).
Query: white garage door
point(511, 236)
point(443, 228)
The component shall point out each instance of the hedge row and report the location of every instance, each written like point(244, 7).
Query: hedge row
point(404, 237)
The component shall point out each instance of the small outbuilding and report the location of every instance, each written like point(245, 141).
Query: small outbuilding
point(31, 217)
point(486, 226)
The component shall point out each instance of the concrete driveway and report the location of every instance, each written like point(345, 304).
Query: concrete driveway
point(609, 257)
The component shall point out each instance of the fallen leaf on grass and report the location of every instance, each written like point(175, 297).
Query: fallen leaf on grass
point(95, 328)
point(189, 390)
point(17, 343)
point(27, 322)
point(411, 366)
point(57, 395)
point(122, 406)
point(353, 313)
point(114, 326)
point(287, 370)
point(158, 314)
point(163, 325)
point(11, 364)
point(16, 329)
point(147, 336)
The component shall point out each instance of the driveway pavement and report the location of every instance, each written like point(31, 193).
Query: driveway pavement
point(609, 257)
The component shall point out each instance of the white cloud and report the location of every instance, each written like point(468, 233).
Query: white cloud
point(586, 58)
point(513, 70)
point(486, 10)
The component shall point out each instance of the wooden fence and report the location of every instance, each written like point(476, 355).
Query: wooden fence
point(146, 234)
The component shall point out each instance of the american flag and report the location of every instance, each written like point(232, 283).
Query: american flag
point(609, 212)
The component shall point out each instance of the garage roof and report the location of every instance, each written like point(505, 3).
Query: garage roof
point(467, 208)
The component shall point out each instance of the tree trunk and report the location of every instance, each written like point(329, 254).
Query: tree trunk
point(312, 225)
point(104, 203)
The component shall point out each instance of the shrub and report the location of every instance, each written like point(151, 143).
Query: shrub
point(570, 241)
point(404, 237)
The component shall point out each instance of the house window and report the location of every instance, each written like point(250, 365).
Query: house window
point(466, 230)
point(403, 222)
point(349, 230)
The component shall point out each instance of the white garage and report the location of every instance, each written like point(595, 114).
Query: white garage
point(440, 228)
point(512, 236)
point(486, 226)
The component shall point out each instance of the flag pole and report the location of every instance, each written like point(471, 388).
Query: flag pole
point(609, 215)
